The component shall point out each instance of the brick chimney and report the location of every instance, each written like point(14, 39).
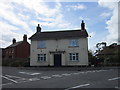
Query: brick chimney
point(82, 25)
point(38, 28)
point(14, 40)
point(25, 38)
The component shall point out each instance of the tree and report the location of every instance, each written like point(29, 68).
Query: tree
point(100, 46)
point(92, 59)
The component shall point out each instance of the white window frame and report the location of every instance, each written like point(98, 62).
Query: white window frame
point(41, 57)
point(73, 42)
point(41, 44)
point(74, 56)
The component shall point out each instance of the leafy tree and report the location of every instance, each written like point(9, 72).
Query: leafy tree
point(92, 59)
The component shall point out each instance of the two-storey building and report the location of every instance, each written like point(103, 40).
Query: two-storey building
point(17, 50)
point(59, 48)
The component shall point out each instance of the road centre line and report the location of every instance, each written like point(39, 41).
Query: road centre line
point(78, 86)
point(113, 78)
point(9, 79)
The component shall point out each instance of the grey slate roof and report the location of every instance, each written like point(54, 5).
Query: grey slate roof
point(15, 44)
point(59, 34)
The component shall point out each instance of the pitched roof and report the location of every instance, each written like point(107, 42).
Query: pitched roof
point(59, 34)
point(15, 44)
point(109, 50)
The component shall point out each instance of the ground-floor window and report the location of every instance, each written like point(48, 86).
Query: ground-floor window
point(74, 56)
point(41, 57)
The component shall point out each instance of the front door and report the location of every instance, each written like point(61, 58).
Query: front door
point(57, 60)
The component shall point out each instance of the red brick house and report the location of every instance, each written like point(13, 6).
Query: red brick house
point(19, 49)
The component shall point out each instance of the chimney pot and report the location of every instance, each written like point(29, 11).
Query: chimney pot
point(14, 41)
point(38, 28)
point(25, 38)
point(82, 25)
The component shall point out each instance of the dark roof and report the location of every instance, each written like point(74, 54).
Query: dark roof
point(15, 44)
point(59, 34)
point(109, 50)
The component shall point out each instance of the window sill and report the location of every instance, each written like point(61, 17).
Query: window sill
point(41, 48)
point(73, 46)
point(74, 60)
point(41, 61)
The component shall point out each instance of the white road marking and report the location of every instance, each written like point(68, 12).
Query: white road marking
point(101, 70)
point(94, 71)
point(113, 78)
point(10, 79)
point(66, 74)
point(34, 79)
point(29, 73)
point(76, 73)
point(82, 72)
point(35, 73)
point(13, 76)
point(6, 84)
point(56, 75)
point(117, 87)
point(45, 77)
point(88, 71)
point(78, 86)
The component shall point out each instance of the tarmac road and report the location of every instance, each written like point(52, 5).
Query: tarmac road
point(13, 77)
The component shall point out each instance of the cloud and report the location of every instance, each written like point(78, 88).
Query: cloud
point(112, 23)
point(77, 7)
point(57, 22)
point(92, 34)
point(7, 35)
point(84, 18)
point(18, 17)
point(105, 14)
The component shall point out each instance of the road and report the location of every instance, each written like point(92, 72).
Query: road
point(13, 77)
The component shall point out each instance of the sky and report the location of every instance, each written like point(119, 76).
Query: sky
point(19, 17)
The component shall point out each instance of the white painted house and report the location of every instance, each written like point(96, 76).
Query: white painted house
point(59, 48)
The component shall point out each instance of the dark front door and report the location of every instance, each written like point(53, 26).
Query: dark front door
point(57, 60)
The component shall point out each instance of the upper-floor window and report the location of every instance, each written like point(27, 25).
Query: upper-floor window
point(41, 44)
point(73, 42)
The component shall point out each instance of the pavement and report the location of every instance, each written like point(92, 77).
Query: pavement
point(65, 78)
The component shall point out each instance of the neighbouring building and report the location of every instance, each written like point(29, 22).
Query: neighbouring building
point(59, 48)
point(18, 50)
point(110, 53)
point(3, 52)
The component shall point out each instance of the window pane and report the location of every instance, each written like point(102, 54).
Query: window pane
point(74, 56)
point(41, 57)
point(41, 44)
point(70, 56)
point(77, 56)
point(73, 42)
point(44, 57)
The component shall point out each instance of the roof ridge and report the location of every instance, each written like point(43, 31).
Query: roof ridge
point(15, 44)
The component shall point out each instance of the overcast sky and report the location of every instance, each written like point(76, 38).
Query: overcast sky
point(19, 17)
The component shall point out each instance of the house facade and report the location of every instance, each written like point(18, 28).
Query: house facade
point(16, 50)
point(59, 48)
